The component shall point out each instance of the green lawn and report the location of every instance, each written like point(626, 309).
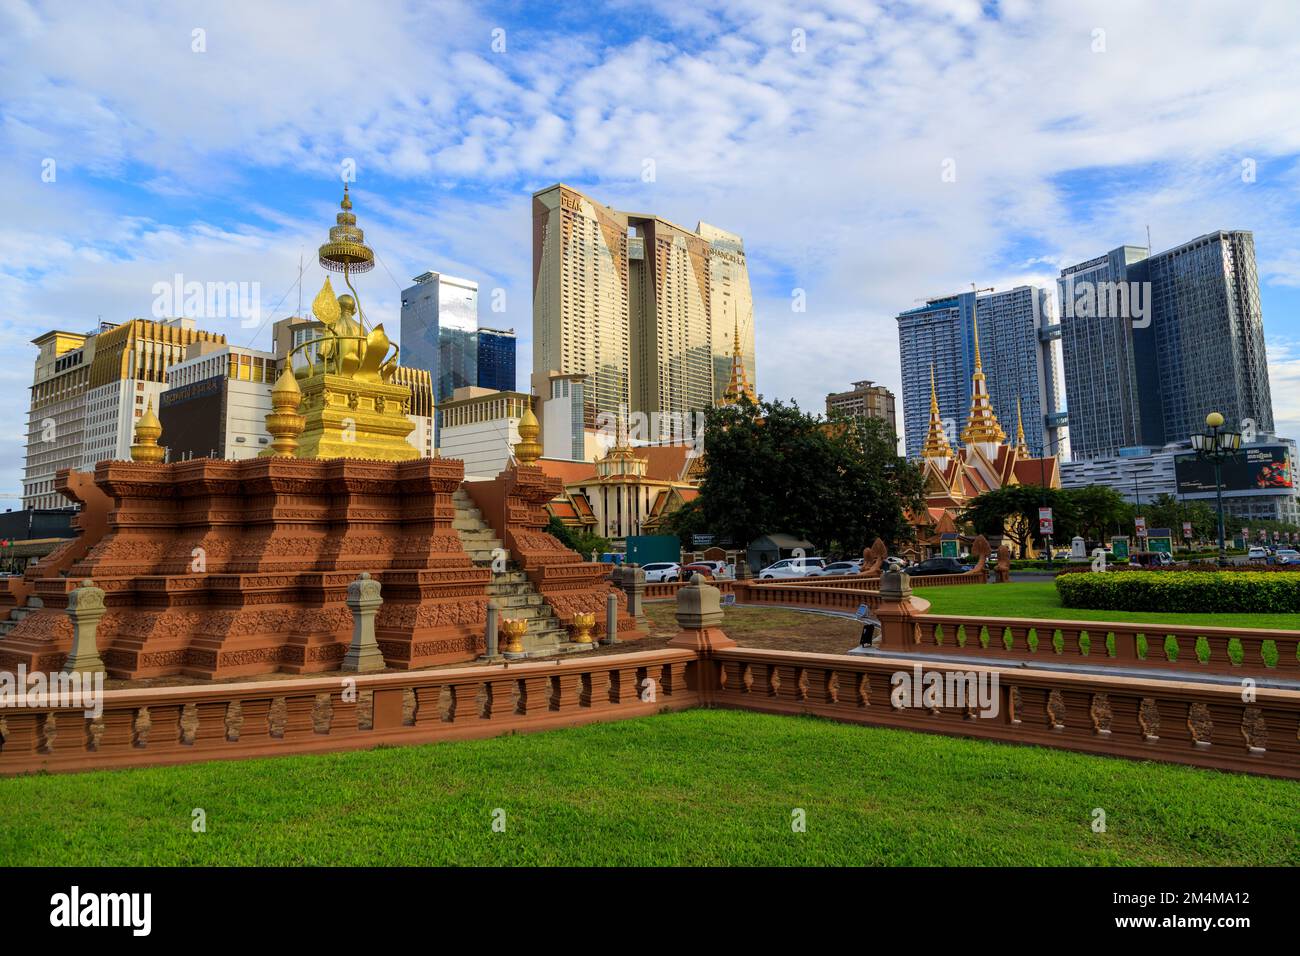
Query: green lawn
point(696, 787)
point(1039, 599)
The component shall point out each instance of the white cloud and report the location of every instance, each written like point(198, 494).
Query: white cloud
point(827, 161)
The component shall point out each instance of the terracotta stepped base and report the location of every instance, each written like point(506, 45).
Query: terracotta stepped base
point(513, 506)
point(222, 568)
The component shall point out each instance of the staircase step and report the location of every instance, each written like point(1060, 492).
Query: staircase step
point(509, 602)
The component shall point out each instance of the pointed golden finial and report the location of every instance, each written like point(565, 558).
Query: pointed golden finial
point(936, 442)
point(528, 450)
point(147, 432)
point(1021, 447)
point(982, 426)
point(738, 384)
point(284, 423)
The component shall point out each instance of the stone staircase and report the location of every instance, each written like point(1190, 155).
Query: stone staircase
point(16, 614)
point(510, 588)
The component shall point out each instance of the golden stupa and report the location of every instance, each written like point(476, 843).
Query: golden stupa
point(349, 407)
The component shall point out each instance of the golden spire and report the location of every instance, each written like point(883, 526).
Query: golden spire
point(147, 432)
point(982, 426)
point(528, 450)
point(738, 384)
point(1021, 447)
point(284, 423)
point(936, 442)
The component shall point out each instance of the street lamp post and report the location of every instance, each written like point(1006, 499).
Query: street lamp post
point(1217, 445)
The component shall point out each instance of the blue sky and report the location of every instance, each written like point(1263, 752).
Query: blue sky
point(818, 131)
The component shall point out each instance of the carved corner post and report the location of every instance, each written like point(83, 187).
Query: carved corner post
point(493, 632)
point(611, 618)
point(699, 615)
point(897, 611)
point(363, 601)
point(631, 579)
point(85, 608)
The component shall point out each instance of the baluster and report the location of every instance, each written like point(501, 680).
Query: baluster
point(564, 692)
point(298, 716)
point(257, 720)
point(623, 687)
point(428, 705)
point(501, 698)
point(465, 701)
point(535, 695)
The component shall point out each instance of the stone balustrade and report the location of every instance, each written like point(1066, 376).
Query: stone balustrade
point(1205, 725)
point(171, 725)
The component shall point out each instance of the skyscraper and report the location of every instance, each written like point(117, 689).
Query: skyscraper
point(646, 309)
point(1108, 391)
point(439, 330)
point(1209, 334)
point(865, 400)
point(1017, 351)
point(1152, 344)
point(496, 359)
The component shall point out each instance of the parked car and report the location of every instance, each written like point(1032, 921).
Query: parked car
point(894, 563)
point(1257, 553)
point(706, 568)
point(718, 569)
point(938, 566)
point(838, 567)
point(661, 572)
point(1151, 559)
point(1286, 556)
point(792, 568)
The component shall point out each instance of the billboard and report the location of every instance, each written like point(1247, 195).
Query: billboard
point(1262, 468)
point(193, 419)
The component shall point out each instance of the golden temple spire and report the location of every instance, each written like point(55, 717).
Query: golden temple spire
point(982, 426)
point(528, 449)
point(284, 423)
point(936, 442)
point(147, 432)
point(1021, 447)
point(738, 384)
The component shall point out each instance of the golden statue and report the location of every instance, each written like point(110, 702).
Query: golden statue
point(350, 407)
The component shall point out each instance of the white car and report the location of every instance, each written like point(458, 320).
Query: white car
point(792, 568)
point(1286, 556)
point(838, 567)
point(662, 572)
point(1257, 554)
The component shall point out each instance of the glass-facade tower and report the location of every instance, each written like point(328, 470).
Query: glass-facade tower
point(440, 331)
point(496, 359)
point(1018, 354)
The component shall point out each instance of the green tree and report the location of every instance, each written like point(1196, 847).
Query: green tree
point(770, 467)
point(1097, 511)
point(1013, 511)
point(685, 522)
point(584, 542)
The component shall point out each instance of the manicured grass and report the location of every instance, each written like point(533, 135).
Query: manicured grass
point(1040, 599)
point(696, 787)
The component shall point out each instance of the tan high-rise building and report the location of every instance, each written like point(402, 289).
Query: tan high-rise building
point(646, 309)
point(864, 400)
point(731, 305)
point(581, 321)
point(56, 417)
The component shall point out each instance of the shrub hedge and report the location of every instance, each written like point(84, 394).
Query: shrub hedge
point(1197, 591)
